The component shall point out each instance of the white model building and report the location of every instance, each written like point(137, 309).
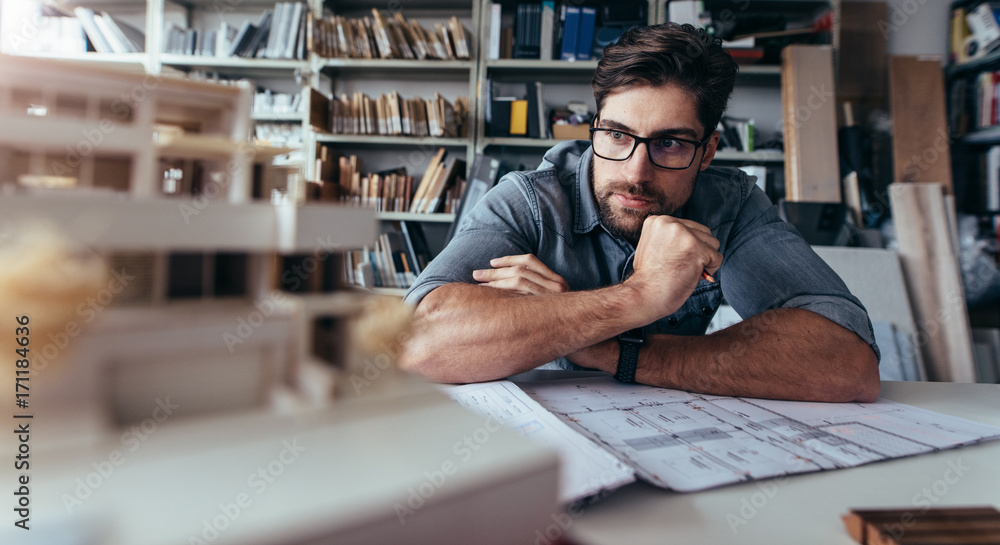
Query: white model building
point(186, 399)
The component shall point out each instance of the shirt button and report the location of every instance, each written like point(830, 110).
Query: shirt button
point(672, 322)
point(706, 310)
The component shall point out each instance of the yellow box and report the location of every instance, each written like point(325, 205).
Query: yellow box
point(571, 132)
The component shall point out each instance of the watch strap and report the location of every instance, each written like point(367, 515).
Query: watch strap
point(628, 355)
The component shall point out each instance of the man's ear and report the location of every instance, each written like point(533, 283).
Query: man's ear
point(710, 147)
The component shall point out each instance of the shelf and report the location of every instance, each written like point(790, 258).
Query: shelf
point(413, 216)
point(243, 65)
point(114, 221)
point(134, 61)
point(536, 65)
point(762, 70)
point(383, 140)
point(313, 228)
point(269, 116)
point(759, 156)
point(973, 65)
point(514, 142)
point(394, 65)
point(982, 137)
point(399, 292)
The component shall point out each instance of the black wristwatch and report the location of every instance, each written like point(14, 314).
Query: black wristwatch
point(628, 354)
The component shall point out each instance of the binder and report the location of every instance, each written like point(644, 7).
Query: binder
point(536, 123)
point(585, 34)
point(571, 26)
point(519, 118)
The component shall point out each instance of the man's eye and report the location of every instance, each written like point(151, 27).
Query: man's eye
point(668, 143)
point(617, 135)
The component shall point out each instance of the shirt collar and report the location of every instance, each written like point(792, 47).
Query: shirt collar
point(587, 216)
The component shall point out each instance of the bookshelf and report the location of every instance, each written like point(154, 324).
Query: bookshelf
point(561, 82)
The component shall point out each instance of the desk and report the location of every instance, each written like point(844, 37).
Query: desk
point(805, 509)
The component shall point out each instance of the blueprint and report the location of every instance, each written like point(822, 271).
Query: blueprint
point(687, 442)
point(586, 469)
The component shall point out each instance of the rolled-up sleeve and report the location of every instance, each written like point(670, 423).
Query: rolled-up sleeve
point(768, 265)
point(502, 223)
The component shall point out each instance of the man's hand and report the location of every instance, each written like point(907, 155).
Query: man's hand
point(524, 274)
point(669, 260)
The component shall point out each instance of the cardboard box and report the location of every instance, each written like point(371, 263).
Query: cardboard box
point(571, 132)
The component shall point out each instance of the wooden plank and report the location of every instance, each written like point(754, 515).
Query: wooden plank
point(933, 280)
point(812, 166)
point(921, 150)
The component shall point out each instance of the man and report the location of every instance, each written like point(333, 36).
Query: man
point(626, 232)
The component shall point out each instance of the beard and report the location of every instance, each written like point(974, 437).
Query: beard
point(626, 223)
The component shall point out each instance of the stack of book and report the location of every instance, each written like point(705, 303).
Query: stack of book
point(974, 31)
point(395, 261)
point(439, 190)
point(380, 37)
point(278, 134)
point(391, 115)
point(736, 134)
point(267, 102)
point(280, 33)
point(540, 32)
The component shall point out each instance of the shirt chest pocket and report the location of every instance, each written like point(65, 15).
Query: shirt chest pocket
point(696, 313)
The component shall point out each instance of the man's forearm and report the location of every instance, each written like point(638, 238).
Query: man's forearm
point(780, 354)
point(470, 333)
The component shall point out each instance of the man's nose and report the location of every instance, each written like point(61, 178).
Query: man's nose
point(638, 168)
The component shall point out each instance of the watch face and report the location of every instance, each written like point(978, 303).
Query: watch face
point(632, 336)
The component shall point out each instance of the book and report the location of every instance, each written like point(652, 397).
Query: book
point(519, 118)
point(570, 17)
point(537, 116)
point(585, 34)
point(444, 179)
point(416, 244)
point(546, 36)
point(94, 34)
point(500, 110)
point(482, 177)
point(687, 442)
point(420, 197)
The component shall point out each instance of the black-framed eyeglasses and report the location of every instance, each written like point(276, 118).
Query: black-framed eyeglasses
point(667, 152)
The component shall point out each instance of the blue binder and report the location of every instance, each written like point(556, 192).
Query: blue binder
point(571, 26)
point(585, 35)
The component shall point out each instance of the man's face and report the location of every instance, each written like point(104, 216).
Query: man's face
point(628, 191)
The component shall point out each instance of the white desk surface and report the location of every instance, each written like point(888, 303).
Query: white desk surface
point(806, 508)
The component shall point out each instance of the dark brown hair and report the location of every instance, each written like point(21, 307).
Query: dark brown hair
point(670, 53)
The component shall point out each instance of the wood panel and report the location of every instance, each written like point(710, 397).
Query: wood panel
point(921, 150)
point(809, 109)
point(933, 280)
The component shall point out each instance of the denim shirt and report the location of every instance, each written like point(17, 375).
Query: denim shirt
point(551, 212)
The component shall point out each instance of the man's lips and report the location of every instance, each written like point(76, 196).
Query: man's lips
point(632, 201)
